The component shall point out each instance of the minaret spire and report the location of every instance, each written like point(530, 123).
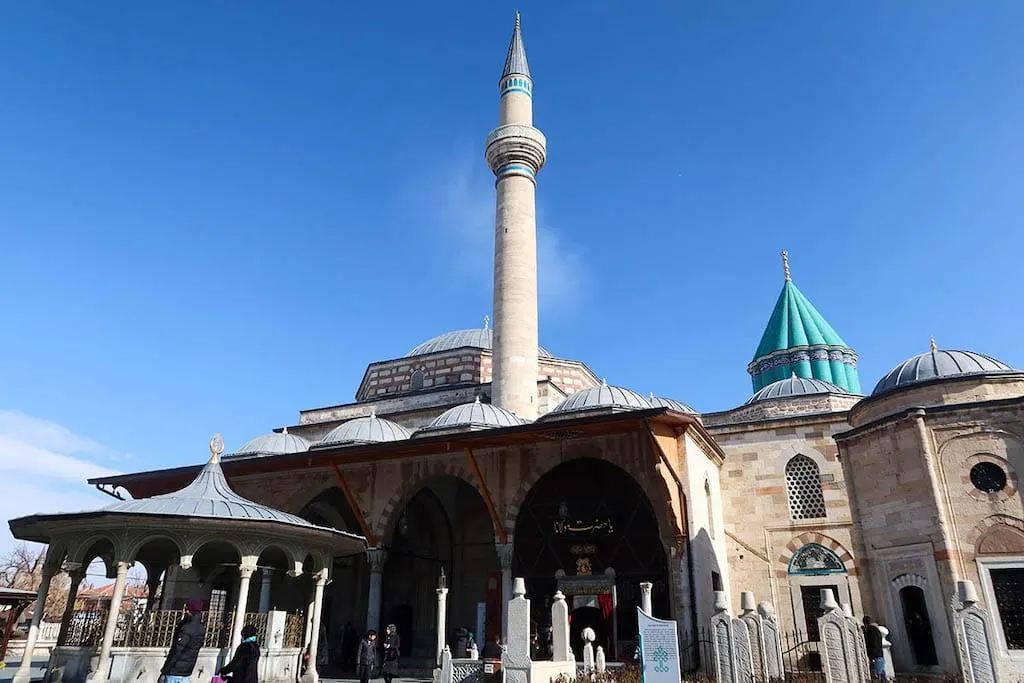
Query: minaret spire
point(515, 151)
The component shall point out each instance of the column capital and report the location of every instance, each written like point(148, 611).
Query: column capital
point(247, 567)
point(320, 578)
point(506, 551)
point(376, 557)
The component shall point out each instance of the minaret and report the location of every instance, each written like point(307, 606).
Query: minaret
point(515, 153)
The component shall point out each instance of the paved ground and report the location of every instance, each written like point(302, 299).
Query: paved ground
point(7, 673)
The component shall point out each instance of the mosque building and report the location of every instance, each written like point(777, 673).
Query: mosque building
point(482, 456)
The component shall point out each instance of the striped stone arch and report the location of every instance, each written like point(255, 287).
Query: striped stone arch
point(426, 471)
point(988, 526)
point(652, 483)
point(845, 556)
point(910, 579)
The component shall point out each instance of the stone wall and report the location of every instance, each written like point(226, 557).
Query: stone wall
point(762, 535)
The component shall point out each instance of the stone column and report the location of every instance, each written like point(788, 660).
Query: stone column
point(320, 579)
point(505, 554)
point(442, 618)
point(111, 626)
point(76, 574)
point(376, 557)
point(265, 577)
point(645, 597)
point(245, 571)
point(24, 672)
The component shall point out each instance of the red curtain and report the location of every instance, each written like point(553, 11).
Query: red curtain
point(605, 601)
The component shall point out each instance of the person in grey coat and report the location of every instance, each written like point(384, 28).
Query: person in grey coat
point(366, 657)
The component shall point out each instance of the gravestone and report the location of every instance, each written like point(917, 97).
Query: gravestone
point(561, 649)
point(890, 670)
point(599, 660)
point(755, 631)
point(743, 666)
point(974, 636)
point(659, 649)
point(772, 640)
point(588, 649)
point(721, 640)
point(835, 641)
point(515, 660)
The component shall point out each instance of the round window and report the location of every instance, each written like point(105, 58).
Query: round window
point(988, 477)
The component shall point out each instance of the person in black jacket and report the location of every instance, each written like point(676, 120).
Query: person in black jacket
point(366, 657)
point(873, 645)
point(188, 639)
point(392, 650)
point(244, 666)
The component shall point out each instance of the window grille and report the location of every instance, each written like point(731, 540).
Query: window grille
point(803, 488)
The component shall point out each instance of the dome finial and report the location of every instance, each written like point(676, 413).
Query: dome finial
point(487, 321)
point(517, 18)
point(284, 431)
point(373, 412)
point(785, 265)
point(934, 346)
point(216, 448)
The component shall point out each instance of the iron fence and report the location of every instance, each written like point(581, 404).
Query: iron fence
point(293, 627)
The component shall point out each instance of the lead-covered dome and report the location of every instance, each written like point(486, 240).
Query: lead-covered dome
point(937, 364)
point(457, 339)
point(604, 398)
point(275, 443)
point(670, 403)
point(363, 430)
point(795, 387)
point(471, 417)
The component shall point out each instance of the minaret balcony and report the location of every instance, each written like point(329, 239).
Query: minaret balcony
point(516, 145)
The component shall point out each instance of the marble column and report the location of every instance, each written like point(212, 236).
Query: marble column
point(645, 597)
point(245, 571)
point(76, 574)
point(112, 617)
point(376, 557)
point(320, 579)
point(24, 672)
point(265, 577)
point(505, 555)
point(442, 619)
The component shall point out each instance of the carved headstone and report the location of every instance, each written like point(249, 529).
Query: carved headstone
point(837, 651)
point(561, 649)
point(515, 660)
point(755, 631)
point(721, 641)
point(772, 640)
point(599, 660)
point(974, 636)
point(743, 666)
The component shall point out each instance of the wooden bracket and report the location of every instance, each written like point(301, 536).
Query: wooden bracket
point(499, 526)
point(371, 539)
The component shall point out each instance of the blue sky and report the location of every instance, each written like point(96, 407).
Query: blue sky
point(216, 214)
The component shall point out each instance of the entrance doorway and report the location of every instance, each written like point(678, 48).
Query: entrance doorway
point(918, 626)
point(588, 617)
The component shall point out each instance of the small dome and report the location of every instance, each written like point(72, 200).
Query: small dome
point(368, 429)
point(601, 398)
point(471, 416)
point(795, 386)
point(457, 339)
point(936, 364)
point(275, 443)
point(671, 404)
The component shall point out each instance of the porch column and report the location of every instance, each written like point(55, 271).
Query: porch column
point(320, 579)
point(25, 670)
point(505, 552)
point(265, 577)
point(245, 571)
point(102, 668)
point(77, 574)
point(376, 557)
point(442, 614)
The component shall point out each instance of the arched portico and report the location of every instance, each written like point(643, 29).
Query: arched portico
point(587, 528)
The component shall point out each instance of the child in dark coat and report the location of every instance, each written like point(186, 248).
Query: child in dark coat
point(244, 666)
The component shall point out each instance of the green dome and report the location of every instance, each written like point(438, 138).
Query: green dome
point(798, 340)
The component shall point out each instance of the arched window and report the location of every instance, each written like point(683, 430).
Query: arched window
point(711, 508)
point(803, 487)
point(416, 382)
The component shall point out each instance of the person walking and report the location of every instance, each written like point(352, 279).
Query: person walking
point(244, 665)
point(366, 657)
point(392, 645)
point(873, 645)
point(188, 639)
